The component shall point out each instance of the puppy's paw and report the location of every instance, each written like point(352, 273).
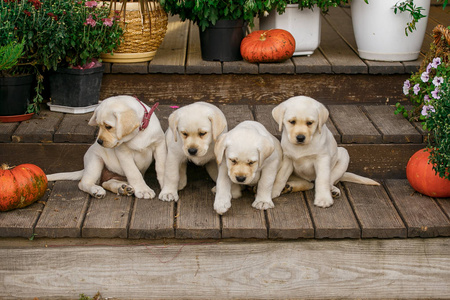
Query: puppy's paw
point(236, 191)
point(213, 190)
point(98, 192)
point(287, 189)
point(144, 193)
point(263, 204)
point(125, 190)
point(335, 191)
point(323, 201)
point(168, 196)
point(221, 206)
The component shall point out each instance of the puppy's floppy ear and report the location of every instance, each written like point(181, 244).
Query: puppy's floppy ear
point(323, 115)
point(265, 149)
point(173, 124)
point(219, 148)
point(126, 122)
point(93, 120)
point(218, 124)
point(278, 115)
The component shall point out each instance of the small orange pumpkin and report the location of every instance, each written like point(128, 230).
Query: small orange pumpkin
point(423, 178)
point(21, 186)
point(274, 45)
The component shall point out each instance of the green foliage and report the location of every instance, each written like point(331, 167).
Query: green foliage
point(207, 12)
point(9, 55)
point(323, 5)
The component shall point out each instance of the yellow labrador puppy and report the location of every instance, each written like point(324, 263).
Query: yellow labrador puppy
point(129, 136)
point(247, 155)
point(310, 151)
point(192, 132)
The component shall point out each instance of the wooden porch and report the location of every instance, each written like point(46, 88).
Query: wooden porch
point(374, 242)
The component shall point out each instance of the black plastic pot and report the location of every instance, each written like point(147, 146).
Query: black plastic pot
point(222, 41)
point(76, 88)
point(15, 94)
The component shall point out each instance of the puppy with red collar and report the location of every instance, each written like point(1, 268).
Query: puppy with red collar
point(129, 137)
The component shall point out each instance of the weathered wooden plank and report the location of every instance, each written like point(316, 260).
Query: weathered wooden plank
point(440, 15)
point(242, 220)
point(21, 222)
point(376, 214)
point(235, 114)
point(337, 221)
point(39, 129)
point(338, 53)
point(7, 130)
point(290, 219)
point(316, 63)
point(380, 161)
point(50, 157)
point(75, 129)
point(196, 217)
point(171, 55)
point(444, 203)
point(239, 67)
point(163, 112)
point(64, 211)
point(412, 66)
point(353, 125)
point(422, 215)
point(263, 114)
point(385, 67)
point(194, 63)
point(285, 67)
point(130, 68)
point(256, 89)
point(394, 128)
point(411, 269)
point(108, 217)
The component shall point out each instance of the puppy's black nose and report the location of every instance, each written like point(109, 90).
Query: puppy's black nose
point(300, 138)
point(192, 151)
point(100, 142)
point(240, 178)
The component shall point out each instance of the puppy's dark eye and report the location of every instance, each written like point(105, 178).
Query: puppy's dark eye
point(202, 133)
point(107, 127)
point(292, 122)
point(309, 123)
point(251, 163)
point(233, 161)
point(184, 134)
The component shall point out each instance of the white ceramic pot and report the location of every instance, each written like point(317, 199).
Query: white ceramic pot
point(304, 25)
point(380, 33)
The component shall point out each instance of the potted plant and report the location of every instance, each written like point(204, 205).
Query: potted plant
point(429, 92)
point(145, 24)
point(89, 32)
point(302, 19)
point(390, 30)
point(222, 23)
point(35, 24)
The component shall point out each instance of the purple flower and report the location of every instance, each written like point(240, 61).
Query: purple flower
point(91, 3)
point(425, 76)
point(406, 87)
point(416, 89)
point(436, 62)
point(438, 80)
point(426, 109)
point(426, 99)
point(107, 22)
point(90, 21)
point(435, 94)
point(429, 68)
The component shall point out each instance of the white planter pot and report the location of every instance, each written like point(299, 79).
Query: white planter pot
point(304, 25)
point(380, 33)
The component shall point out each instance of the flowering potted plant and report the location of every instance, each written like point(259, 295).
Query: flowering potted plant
point(429, 92)
point(89, 32)
point(380, 31)
point(214, 17)
point(302, 19)
point(34, 24)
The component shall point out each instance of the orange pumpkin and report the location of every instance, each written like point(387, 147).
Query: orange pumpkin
point(423, 178)
point(21, 186)
point(274, 45)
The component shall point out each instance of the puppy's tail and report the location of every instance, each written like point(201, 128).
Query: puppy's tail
point(66, 176)
point(350, 177)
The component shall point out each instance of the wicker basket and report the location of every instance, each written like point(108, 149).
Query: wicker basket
point(141, 40)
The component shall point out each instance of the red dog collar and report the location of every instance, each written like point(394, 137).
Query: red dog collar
point(147, 114)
